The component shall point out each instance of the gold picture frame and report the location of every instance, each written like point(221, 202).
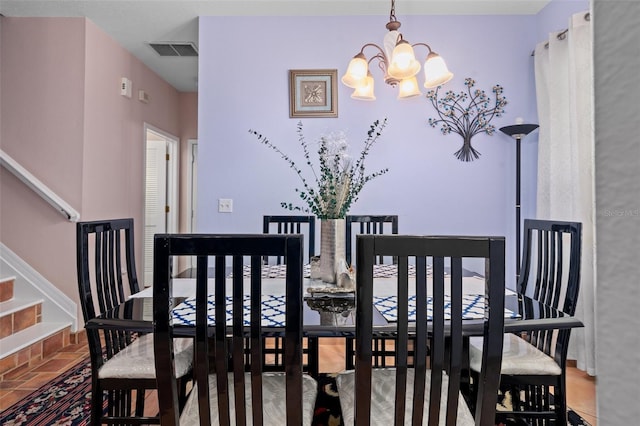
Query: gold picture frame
point(313, 93)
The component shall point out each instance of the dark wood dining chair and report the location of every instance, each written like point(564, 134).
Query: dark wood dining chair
point(367, 224)
point(292, 224)
point(225, 393)
point(122, 364)
point(533, 367)
point(429, 392)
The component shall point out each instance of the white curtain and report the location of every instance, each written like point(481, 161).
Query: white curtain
point(564, 90)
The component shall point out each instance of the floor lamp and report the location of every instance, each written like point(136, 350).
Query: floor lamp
point(518, 131)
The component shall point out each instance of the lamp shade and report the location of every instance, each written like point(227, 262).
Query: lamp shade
point(518, 131)
point(365, 91)
point(409, 88)
point(356, 72)
point(403, 61)
point(435, 71)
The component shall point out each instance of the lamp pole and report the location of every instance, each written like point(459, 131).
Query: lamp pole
point(518, 131)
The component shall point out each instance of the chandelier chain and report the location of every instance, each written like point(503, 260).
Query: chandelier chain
point(392, 13)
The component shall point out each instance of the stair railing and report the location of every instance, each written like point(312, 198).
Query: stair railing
point(39, 188)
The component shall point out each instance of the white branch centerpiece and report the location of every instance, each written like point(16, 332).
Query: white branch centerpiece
point(338, 181)
point(329, 189)
point(467, 121)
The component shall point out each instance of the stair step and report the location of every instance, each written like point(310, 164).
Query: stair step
point(6, 288)
point(19, 314)
point(15, 305)
point(34, 334)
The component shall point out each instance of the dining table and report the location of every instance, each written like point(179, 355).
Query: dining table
point(329, 310)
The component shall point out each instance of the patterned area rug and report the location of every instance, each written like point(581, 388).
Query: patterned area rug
point(327, 412)
point(67, 402)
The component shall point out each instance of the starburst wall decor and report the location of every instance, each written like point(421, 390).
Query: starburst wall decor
point(469, 120)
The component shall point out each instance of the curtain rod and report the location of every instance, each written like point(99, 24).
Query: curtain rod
point(563, 34)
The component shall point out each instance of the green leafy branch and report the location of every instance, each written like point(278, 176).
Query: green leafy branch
point(338, 183)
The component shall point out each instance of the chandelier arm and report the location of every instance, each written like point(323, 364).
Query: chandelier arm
point(423, 44)
point(380, 51)
point(383, 61)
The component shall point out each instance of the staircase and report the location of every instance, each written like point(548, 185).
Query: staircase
point(25, 340)
point(35, 322)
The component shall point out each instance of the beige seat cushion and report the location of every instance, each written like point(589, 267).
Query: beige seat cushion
point(273, 395)
point(519, 357)
point(136, 361)
point(383, 398)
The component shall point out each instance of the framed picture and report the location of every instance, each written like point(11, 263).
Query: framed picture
point(313, 93)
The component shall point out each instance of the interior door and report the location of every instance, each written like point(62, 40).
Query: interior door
point(155, 201)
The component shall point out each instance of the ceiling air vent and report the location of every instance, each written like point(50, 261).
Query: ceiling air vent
point(175, 48)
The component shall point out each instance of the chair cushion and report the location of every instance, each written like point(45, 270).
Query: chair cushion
point(136, 361)
point(519, 357)
point(273, 395)
point(383, 384)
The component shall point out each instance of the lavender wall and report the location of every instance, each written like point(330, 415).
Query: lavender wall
point(555, 16)
point(243, 84)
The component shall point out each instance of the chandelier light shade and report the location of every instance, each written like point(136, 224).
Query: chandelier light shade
point(403, 61)
point(364, 92)
point(398, 62)
point(435, 71)
point(409, 88)
point(357, 72)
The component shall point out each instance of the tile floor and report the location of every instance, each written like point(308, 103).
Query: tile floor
point(18, 384)
point(581, 387)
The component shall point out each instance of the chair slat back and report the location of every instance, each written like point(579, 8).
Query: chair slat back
point(368, 224)
point(103, 248)
point(437, 331)
point(225, 340)
point(288, 224)
point(550, 273)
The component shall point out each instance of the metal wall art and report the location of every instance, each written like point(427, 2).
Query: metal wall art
point(469, 120)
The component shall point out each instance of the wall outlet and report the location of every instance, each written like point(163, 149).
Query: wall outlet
point(225, 205)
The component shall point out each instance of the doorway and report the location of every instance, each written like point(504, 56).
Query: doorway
point(161, 192)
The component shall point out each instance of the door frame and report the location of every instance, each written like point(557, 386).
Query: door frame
point(192, 188)
point(192, 183)
point(173, 149)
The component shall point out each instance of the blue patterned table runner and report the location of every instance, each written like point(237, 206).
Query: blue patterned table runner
point(274, 307)
point(472, 307)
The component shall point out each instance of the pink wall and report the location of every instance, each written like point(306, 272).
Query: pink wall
point(189, 120)
point(65, 121)
point(42, 110)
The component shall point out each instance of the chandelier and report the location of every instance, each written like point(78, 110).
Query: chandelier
point(398, 63)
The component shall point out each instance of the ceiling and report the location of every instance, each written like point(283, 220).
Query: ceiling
point(134, 24)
